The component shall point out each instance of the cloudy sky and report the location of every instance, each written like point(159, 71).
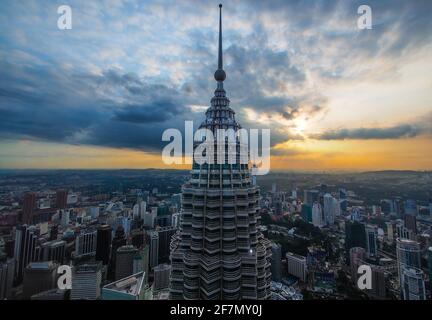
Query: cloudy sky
point(101, 94)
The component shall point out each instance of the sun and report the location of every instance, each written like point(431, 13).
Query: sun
point(300, 125)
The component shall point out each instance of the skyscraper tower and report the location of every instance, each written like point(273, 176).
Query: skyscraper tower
point(219, 252)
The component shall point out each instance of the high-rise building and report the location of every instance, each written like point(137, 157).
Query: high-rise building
point(29, 205)
point(355, 236)
point(61, 199)
point(306, 213)
point(413, 284)
point(154, 249)
point(65, 217)
point(371, 240)
point(430, 207)
point(142, 209)
point(149, 219)
point(86, 282)
point(390, 231)
point(161, 277)
point(317, 215)
point(175, 220)
point(103, 244)
point(357, 256)
point(311, 196)
point(118, 241)
point(125, 261)
point(164, 235)
point(276, 262)
point(94, 212)
point(297, 265)
point(410, 222)
point(141, 261)
point(403, 232)
point(410, 207)
point(38, 277)
point(53, 251)
point(7, 273)
point(430, 263)
point(137, 238)
point(219, 251)
point(378, 290)
point(329, 209)
point(26, 240)
point(408, 256)
point(85, 244)
point(343, 200)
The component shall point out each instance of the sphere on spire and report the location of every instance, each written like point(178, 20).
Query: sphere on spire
point(220, 75)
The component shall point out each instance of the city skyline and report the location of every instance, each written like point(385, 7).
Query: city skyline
point(100, 95)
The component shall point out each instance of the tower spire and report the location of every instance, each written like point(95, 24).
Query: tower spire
point(220, 61)
point(220, 73)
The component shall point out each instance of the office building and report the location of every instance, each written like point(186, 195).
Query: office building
point(306, 213)
point(141, 261)
point(311, 196)
point(161, 277)
point(29, 206)
point(276, 262)
point(86, 282)
point(65, 217)
point(175, 220)
point(25, 250)
point(413, 284)
point(103, 243)
point(410, 207)
point(118, 241)
point(430, 263)
point(125, 261)
point(297, 266)
point(137, 238)
point(378, 290)
point(408, 256)
point(355, 236)
point(7, 273)
point(85, 244)
point(410, 222)
point(154, 249)
point(94, 212)
point(219, 251)
point(403, 232)
point(317, 215)
point(357, 256)
point(53, 251)
point(38, 277)
point(331, 209)
point(149, 219)
point(164, 240)
point(371, 240)
point(343, 200)
point(61, 199)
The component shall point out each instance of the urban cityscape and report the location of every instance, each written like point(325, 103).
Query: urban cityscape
point(210, 230)
point(115, 229)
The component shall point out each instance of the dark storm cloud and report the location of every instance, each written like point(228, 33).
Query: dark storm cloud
point(83, 109)
point(396, 132)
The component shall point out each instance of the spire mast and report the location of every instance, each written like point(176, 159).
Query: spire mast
point(220, 73)
point(220, 61)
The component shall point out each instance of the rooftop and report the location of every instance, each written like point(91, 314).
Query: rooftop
point(130, 285)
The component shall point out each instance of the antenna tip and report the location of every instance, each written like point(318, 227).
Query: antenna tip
point(220, 5)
